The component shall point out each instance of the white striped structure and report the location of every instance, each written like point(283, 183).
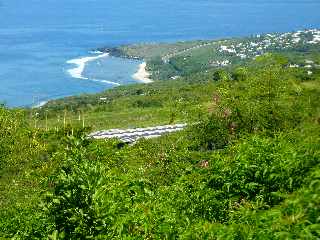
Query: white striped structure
point(132, 135)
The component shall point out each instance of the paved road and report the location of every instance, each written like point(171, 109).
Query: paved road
point(132, 135)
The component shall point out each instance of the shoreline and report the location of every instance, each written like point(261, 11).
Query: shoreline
point(80, 64)
point(142, 75)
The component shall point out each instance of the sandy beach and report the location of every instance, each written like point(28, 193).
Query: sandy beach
point(142, 75)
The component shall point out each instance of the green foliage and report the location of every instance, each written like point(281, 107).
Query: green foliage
point(265, 100)
point(240, 74)
point(11, 132)
point(221, 75)
point(162, 71)
point(247, 167)
point(209, 134)
point(180, 193)
point(72, 206)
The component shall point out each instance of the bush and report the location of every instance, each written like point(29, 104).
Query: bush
point(267, 100)
point(209, 134)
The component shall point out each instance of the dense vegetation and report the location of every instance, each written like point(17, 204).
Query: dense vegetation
point(247, 167)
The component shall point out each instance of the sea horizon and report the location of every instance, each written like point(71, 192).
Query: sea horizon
point(46, 48)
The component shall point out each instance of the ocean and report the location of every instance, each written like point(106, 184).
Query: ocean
point(46, 46)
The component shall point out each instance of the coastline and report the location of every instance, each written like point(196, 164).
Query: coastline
point(141, 53)
point(80, 64)
point(142, 75)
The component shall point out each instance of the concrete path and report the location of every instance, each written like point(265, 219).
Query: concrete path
point(132, 135)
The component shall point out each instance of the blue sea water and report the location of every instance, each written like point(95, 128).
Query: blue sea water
point(38, 37)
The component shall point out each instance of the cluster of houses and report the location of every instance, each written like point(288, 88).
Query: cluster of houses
point(256, 46)
point(308, 64)
point(222, 63)
point(249, 48)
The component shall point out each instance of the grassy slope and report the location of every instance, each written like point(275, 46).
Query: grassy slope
point(149, 51)
point(163, 169)
point(170, 170)
point(132, 106)
point(173, 171)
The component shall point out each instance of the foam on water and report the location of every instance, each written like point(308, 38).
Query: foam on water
point(40, 104)
point(80, 63)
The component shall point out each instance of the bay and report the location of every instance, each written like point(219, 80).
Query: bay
point(39, 37)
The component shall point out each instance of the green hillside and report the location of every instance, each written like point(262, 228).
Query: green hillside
point(246, 167)
point(166, 61)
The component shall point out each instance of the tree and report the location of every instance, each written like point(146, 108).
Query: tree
point(266, 99)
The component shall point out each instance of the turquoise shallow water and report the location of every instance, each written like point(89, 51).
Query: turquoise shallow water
point(38, 37)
